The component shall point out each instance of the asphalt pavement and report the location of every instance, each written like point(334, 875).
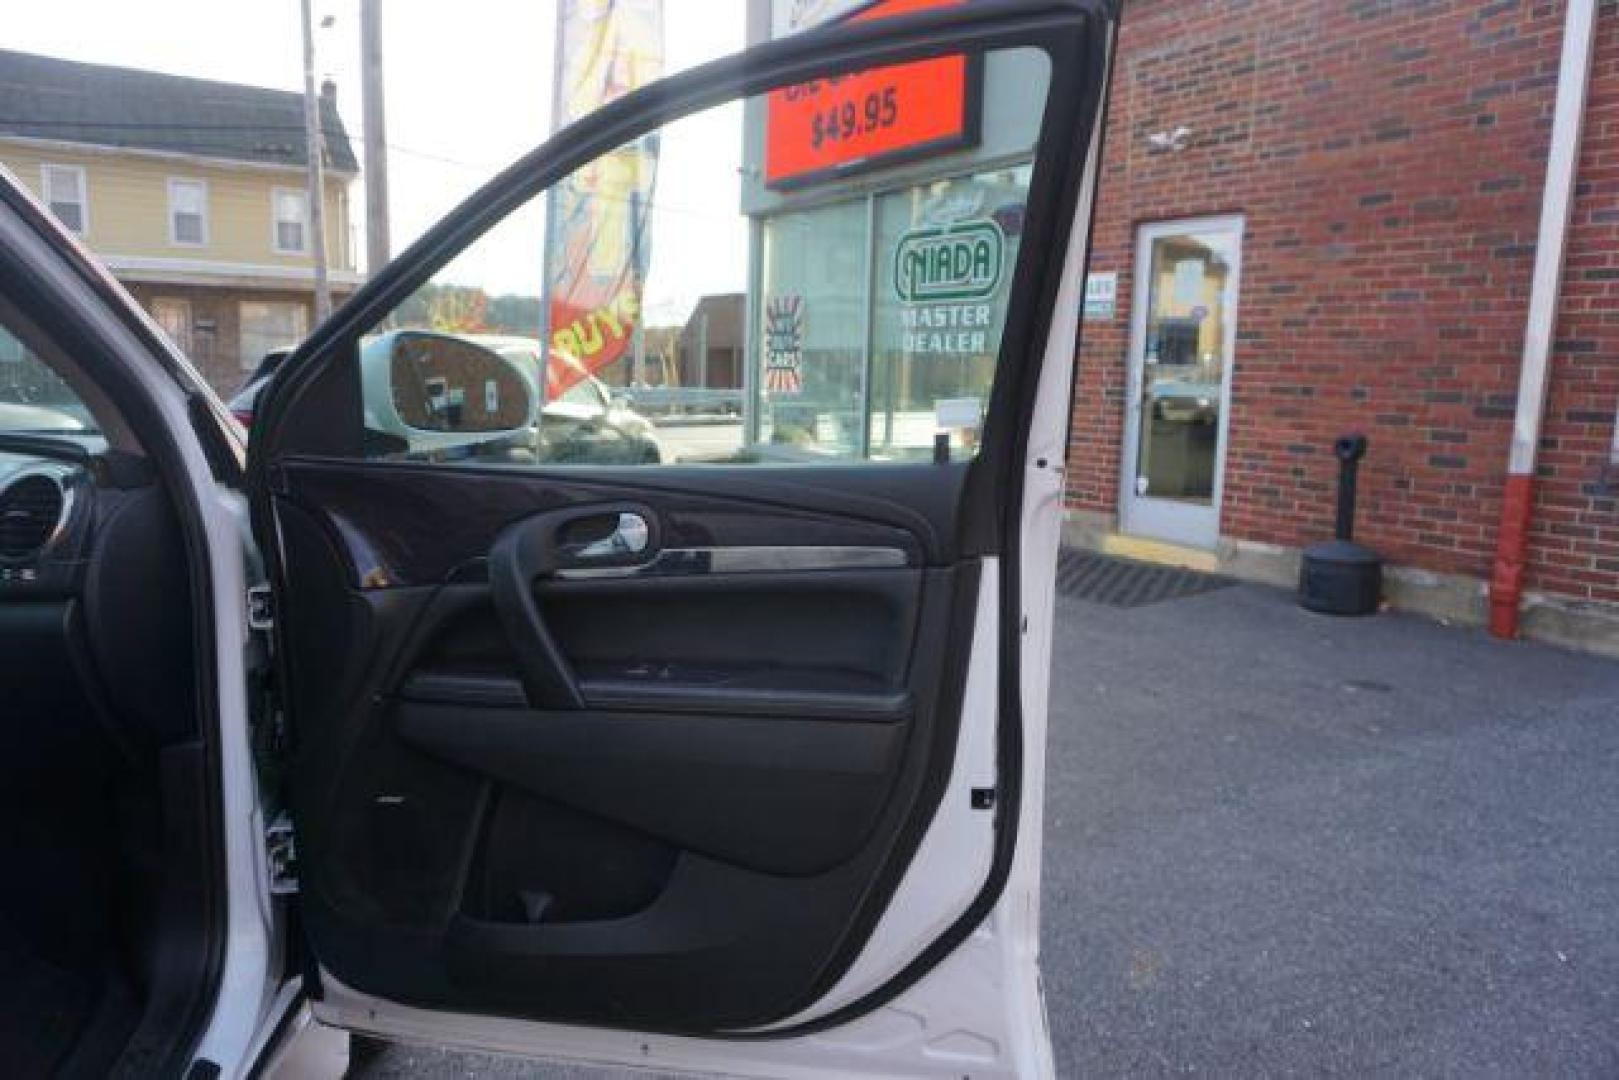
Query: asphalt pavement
point(1284, 844)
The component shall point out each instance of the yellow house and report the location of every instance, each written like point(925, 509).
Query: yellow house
point(193, 193)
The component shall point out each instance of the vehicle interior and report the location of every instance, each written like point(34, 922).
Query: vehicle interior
point(99, 771)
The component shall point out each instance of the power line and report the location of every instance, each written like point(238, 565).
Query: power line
point(158, 125)
point(327, 130)
point(294, 129)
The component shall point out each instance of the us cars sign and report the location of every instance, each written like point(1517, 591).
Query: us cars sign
point(832, 127)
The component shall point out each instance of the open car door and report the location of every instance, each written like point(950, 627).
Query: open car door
point(727, 757)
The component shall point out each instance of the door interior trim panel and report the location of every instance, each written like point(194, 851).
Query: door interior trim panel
point(775, 795)
point(752, 750)
point(402, 523)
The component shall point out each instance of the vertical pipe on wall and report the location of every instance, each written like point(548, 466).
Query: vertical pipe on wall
point(1562, 168)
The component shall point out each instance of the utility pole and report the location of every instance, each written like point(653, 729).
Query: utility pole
point(377, 253)
point(702, 345)
point(548, 255)
point(314, 148)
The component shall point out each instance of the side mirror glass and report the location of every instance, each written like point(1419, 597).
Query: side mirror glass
point(443, 392)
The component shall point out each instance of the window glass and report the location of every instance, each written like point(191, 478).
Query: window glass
point(65, 194)
point(587, 393)
point(813, 311)
point(948, 248)
point(734, 287)
point(1190, 280)
point(270, 324)
point(188, 212)
point(174, 316)
point(291, 212)
point(33, 398)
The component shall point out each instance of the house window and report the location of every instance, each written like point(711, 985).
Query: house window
point(65, 191)
point(188, 213)
point(173, 314)
point(270, 324)
point(291, 208)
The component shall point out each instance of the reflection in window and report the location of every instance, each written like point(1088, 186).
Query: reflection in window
point(1189, 294)
point(33, 397)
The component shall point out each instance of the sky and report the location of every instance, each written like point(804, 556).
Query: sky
point(467, 81)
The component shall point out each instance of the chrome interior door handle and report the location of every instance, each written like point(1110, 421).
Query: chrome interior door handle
point(629, 537)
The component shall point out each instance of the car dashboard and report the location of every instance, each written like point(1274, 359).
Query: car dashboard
point(95, 600)
point(45, 517)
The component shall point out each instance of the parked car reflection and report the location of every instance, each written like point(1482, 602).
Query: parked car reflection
point(588, 424)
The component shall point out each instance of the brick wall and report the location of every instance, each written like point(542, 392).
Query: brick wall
point(1388, 157)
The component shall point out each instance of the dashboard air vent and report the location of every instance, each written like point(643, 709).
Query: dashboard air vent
point(30, 510)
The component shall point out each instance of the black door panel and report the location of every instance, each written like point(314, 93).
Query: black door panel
point(689, 841)
point(776, 795)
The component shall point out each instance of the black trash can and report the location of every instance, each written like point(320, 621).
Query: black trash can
point(1341, 577)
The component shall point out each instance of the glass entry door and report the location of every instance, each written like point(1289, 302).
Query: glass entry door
point(1182, 337)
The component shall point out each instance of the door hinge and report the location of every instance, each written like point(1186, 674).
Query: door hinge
point(281, 852)
point(260, 607)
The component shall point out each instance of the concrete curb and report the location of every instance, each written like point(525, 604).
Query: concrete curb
point(1453, 599)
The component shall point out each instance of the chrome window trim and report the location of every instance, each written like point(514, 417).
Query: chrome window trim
point(676, 562)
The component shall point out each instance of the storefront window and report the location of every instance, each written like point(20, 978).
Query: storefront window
point(881, 317)
point(946, 251)
point(812, 306)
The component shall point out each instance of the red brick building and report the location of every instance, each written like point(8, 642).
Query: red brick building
point(1321, 216)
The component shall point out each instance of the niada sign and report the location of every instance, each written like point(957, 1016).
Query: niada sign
point(955, 262)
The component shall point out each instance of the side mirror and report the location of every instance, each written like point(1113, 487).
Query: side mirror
point(443, 392)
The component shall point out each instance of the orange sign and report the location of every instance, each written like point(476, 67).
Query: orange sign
point(828, 127)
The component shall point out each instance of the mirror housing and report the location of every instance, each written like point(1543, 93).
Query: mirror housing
point(445, 393)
